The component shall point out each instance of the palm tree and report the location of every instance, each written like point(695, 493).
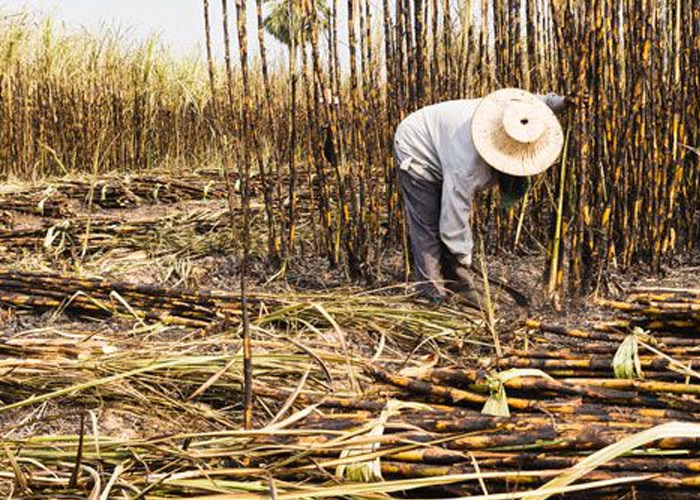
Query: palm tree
point(277, 22)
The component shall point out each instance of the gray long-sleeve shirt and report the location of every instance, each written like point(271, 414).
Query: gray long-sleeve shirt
point(435, 144)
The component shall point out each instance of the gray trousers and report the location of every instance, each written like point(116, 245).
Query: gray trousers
point(435, 269)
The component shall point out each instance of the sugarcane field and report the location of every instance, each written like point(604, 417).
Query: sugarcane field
point(376, 250)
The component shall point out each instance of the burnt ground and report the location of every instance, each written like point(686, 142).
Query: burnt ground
point(221, 272)
point(181, 244)
point(169, 250)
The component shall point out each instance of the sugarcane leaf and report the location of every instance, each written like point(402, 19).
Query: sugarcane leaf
point(46, 196)
point(515, 373)
point(615, 450)
point(371, 490)
point(118, 470)
point(371, 470)
point(55, 233)
point(19, 475)
point(497, 403)
point(626, 363)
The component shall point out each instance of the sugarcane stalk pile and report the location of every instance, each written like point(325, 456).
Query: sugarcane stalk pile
point(68, 224)
point(45, 202)
point(415, 446)
point(134, 190)
point(94, 297)
point(384, 441)
point(557, 396)
point(120, 191)
point(553, 425)
point(112, 191)
point(181, 230)
point(569, 392)
point(97, 297)
point(660, 309)
point(164, 379)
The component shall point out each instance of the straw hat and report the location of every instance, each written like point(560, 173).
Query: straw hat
point(516, 133)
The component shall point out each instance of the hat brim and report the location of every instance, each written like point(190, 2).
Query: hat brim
point(506, 154)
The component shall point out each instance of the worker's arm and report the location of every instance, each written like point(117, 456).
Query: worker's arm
point(458, 188)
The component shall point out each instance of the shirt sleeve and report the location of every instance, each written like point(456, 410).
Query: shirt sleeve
point(455, 214)
point(554, 101)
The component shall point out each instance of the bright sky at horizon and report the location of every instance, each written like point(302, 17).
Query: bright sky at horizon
point(179, 23)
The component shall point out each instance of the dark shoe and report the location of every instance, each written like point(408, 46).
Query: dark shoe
point(472, 297)
point(461, 283)
point(436, 300)
point(431, 295)
point(459, 279)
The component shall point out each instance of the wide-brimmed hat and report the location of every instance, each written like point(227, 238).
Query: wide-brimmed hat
point(516, 133)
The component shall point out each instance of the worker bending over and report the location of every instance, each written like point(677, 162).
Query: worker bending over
point(446, 153)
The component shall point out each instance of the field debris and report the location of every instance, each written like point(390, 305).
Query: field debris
point(327, 403)
point(206, 261)
point(117, 385)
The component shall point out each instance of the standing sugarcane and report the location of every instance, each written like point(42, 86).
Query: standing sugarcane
point(220, 141)
point(272, 207)
point(435, 89)
point(210, 59)
point(244, 173)
point(419, 38)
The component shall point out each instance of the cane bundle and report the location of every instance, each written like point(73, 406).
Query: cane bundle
point(196, 230)
point(96, 297)
point(567, 392)
point(661, 309)
point(45, 202)
point(133, 190)
point(442, 449)
point(111, 191)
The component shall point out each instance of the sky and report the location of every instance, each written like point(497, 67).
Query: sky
point(179, 23)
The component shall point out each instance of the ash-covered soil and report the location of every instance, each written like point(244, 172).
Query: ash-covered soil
point(187, 244)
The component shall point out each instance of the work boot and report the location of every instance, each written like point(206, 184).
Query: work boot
point(461, 282)
point(434, 293)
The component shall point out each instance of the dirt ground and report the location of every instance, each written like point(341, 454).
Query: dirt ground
point(169, 252)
